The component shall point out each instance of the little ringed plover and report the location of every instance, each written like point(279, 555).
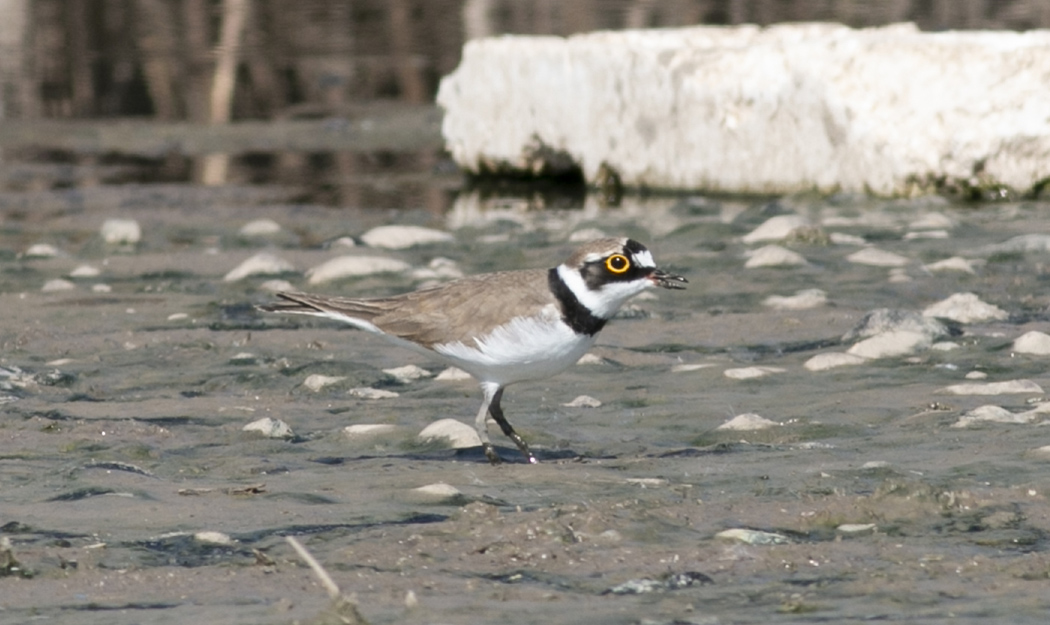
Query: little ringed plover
point(507, 326)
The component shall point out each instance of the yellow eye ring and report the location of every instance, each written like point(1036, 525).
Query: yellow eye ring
point(617, 263)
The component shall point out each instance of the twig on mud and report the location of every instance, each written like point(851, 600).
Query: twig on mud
point(343, 609)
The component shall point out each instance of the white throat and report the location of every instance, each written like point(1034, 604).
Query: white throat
point(605, 301)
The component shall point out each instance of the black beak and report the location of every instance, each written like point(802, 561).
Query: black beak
point(667, 280)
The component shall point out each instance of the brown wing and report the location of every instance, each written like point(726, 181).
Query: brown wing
point(460, 310)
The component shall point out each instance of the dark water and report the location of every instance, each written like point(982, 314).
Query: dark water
point(121, 431)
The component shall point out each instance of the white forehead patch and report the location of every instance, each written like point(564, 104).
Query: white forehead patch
point(644, 259)
point(593, 257)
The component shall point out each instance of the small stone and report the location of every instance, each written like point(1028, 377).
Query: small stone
point(411, 601)
point(955, 263)
point(945, 346)
point(875, 257)
point(856, 528)
point(965, 308)
point(891, 344)
point(1036, 343)
point(883, 320)
point(178, 316)
point(1020, 244)
point(875, 464)
point(85, 271)
point(101, 288)
point(276, 286)
point(439, 268)
point(243, 358)
point(402, 237)
point(270, 428)
point(994, 414)
point(438, 491)
point(776, 229)
point(747, 422)
point(590, 359)
point(213, 538)
point(360, 431)
point(750, 373)
point(458, 435)
point(802, 300)
point(453, 374)
point(121, 231)
point(841, 238)
point(932, 221)
point(685, 368)
point(58, 284)
point(354, 266)
point(753, 537)
point(408, 373)
point(774, 256)
point(41, 250)
point(263, 263)
point(926, 234)
point(994, 388)
point(364, 392)
point(1043, 451)
point(831, 360)
point(976, 375)
point(260, 228)
point(583, 401)
point(315, 381)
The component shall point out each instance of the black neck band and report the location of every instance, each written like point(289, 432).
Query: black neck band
point(579, 317)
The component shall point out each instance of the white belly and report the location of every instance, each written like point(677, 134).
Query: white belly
point(523, 349)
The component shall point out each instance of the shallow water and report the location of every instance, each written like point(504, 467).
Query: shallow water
point(121, 434)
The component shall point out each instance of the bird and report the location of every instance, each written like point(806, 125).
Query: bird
point(503, 327)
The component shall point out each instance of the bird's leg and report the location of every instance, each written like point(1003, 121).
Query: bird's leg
point(497, 414)
point(489, 392)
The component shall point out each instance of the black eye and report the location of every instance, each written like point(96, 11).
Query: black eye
point(617, 263)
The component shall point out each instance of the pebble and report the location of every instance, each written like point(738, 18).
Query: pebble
point(931, 221)
point(955, 263)
point(776, 229)
point(1037, 343)
point(583, 401)
point(276, 286)
point(926, 234)
point(121, 231)
point(453, 374)
point(315, 381)
point(994, 388)
point(590, 359)
point(260, 228)
point(402, 237)
point(753, 537)
point(945, 346)
point(408, 373)
point(270, 428)
point(841, 238)
point(439, 268)
point(351, 266)
point(685, 368)
point(856, 528)
point(965, 308)
point(58, 284)
point(891, 344)
point(243, 358)
point(360, 431)
point(976, 375)
point(875, 257)
point(101, 288)
point(178, 316)
point(774, 256)
point(1043, 451)
point(1019, 244)
point(875, 464)
point(831, 360)
point(364, 392)
point(882, 320)
point(263, 263)
point(85, 271)
point(458, 434)
point(41, 250)
point(995, 414)
point(438, 491)
point(802, 300)
point(750, 373)
point(747, 422)
point(213, 538)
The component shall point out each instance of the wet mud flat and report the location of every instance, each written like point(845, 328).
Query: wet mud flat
point(130, 493)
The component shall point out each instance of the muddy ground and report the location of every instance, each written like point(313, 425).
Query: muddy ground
point(121, 430)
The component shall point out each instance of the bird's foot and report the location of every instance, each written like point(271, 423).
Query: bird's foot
point(490, 453)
